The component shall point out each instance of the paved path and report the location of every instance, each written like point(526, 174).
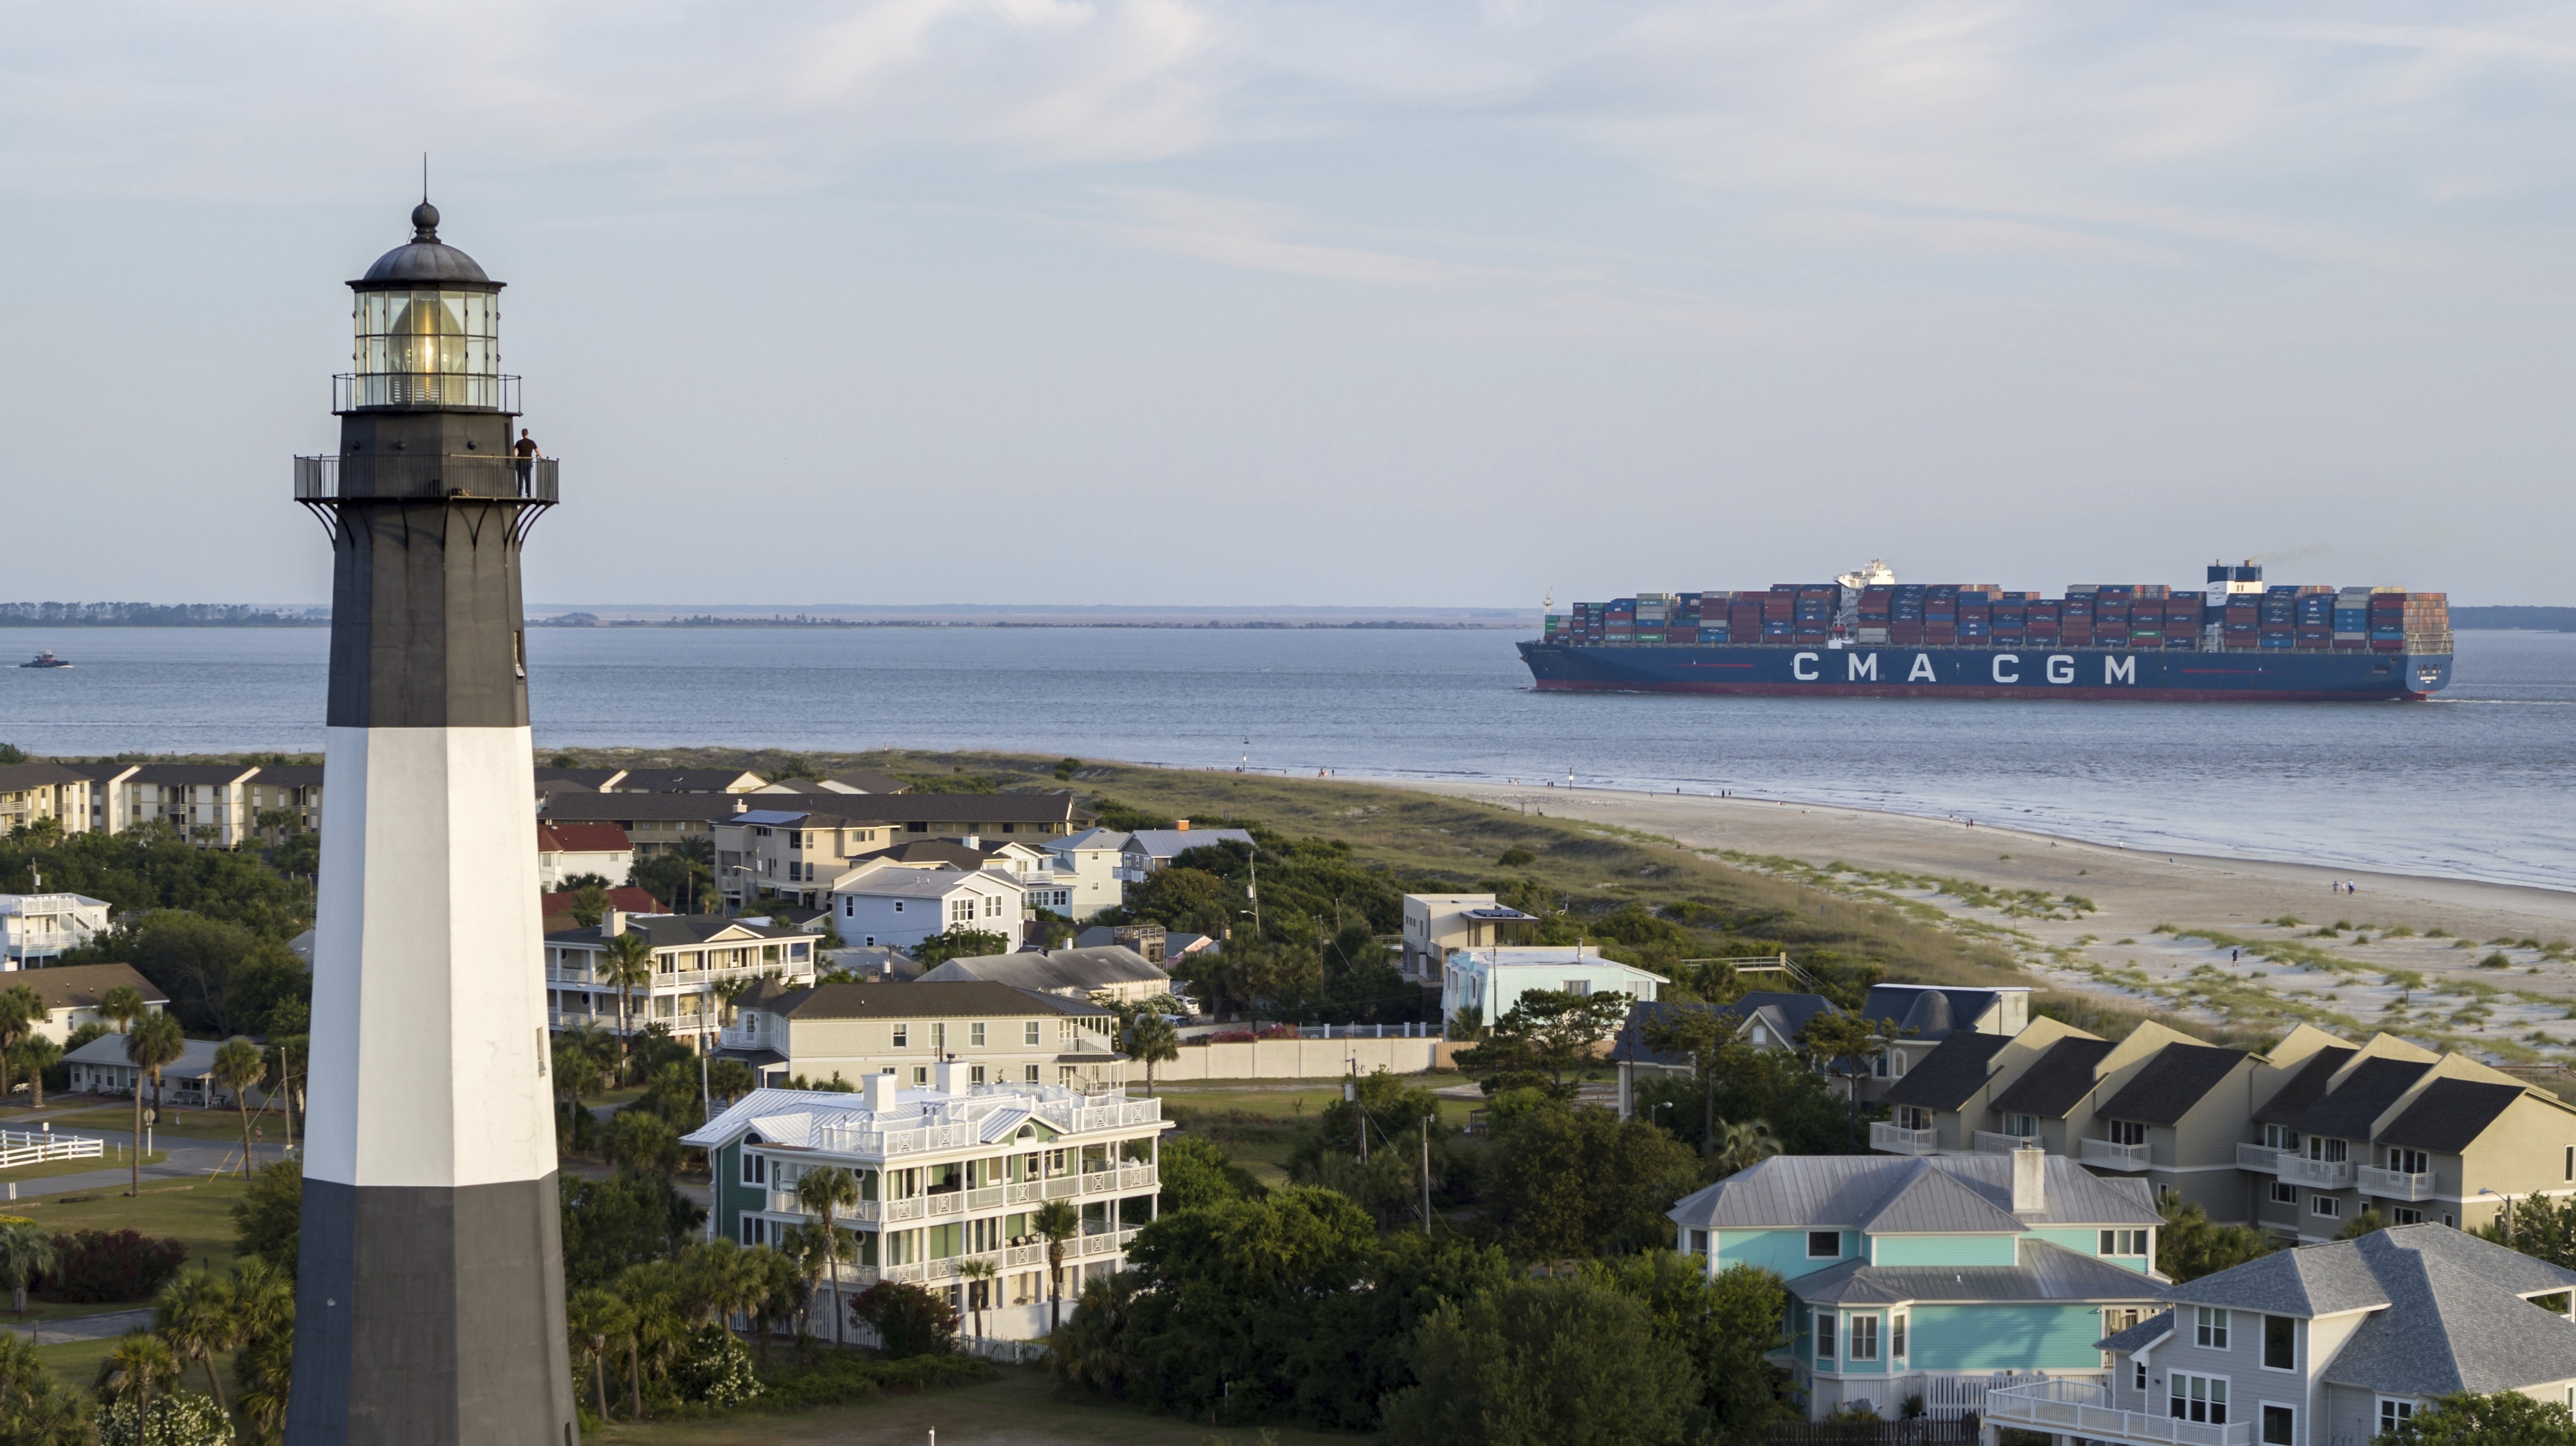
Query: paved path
point(82, 1327)
point(187, 1159)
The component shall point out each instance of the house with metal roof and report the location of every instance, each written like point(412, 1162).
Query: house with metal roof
point(1486, 983)
point(997, 1034)
point(1112, 971)
point(1930, 1277)
point(2324, 1345)
point(948, 1173)
point(1148, 850)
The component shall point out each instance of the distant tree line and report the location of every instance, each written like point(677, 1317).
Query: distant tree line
point(157, 615)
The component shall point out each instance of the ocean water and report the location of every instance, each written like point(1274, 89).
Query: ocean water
point(2475, 784)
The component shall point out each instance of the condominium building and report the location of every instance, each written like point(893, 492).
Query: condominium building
point(697, 962)
point(947, 1173)
point(994, 1033)
point(36, 929)
point(31, 793)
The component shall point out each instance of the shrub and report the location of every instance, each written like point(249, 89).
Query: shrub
point(1516, 857)
point(102, 1265)
point(909, 1320)
point(715, 1368)
point(845, 1378)
point(180, 1418)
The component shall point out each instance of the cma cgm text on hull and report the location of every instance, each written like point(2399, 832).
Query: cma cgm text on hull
point(1865, 635)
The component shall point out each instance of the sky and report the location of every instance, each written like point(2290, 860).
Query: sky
point(1221, 301)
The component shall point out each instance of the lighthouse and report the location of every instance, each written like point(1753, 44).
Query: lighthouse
point(429, 1293)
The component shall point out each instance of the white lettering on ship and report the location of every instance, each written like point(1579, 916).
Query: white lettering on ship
point(2061, 667)
point(2003, 677)
point(1922, 670)
point(1863, 665)
point(1802, 667)
point(2120, 670)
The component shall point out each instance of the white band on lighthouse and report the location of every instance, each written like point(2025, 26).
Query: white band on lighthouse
point(431, 880)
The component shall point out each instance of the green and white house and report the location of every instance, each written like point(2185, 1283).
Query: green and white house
point(1936, 1277)
point(946, 1174)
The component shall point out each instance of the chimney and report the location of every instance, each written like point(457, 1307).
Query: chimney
point(612, 923)
point(1181, 824)
point(2029, 1180)
point(740, 804)
point(973, 841)
point(947, 1076)
point(878, 1091)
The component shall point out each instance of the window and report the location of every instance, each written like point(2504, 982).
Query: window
point(1699, 1242)
point(1578, 986)
point(2405, 1215)
point(1896, 1335)
point(2209, 1328)
point(976, 1075)
point(2280, 1425)
point(1761, 1036)
point(2280, 1343)
point(1879, 1066)
point(920, 1075)
point(2409, 1162)
point(2284, 1194)
point(903, 1036)
point(2021, 1127)
point(2127, 1132)
point(2123, 1242)
point(1028, 1074)
point(755, 1231)
point(975, 1034)
point(1864, 1339)
point(2321, 1203)
point(2393, 1414)
point(1029, 1033)
point(2571, 1162)
point(2197, 1398)
point(1824, 1335)
point(1824, 1244)
point(2141, 1368)
point(2331, 1150)
point(755, 1168)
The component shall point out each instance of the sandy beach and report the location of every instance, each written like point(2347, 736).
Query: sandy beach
point(2403, 962)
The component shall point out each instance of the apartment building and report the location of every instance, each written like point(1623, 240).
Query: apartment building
point(654, 823)
point(207, 803)
point(1439, 925)
point(1922, 1016)
point(697, 962)
point(31, 793)
point(947, 1173)
point(800, 853)
point(1928, 1277)
point(285, 798)
point(2329, 1344)
point(36, 929)
point(996, 1034)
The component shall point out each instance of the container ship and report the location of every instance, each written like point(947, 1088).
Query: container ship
point(1866, 635)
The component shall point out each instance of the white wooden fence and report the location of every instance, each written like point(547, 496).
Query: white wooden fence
point(34, 1147)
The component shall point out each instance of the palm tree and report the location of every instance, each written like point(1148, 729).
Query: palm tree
point(264, 1323)
point(596, 1320)
point(1152, 1039)
point(26, 1251)
point(1057, 1222)
point(37, 1054)
point(20, 1009)
point(979, 1275)
point(122, 1006)
point(195, 1315)
point(238, 1066)
point(152, 1045)
point(782, 1293)
point(827, 1192)
point(627, 964)
point(137, 1362)
point(1742, 1145)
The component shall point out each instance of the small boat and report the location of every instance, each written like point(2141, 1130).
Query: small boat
point(45, 660)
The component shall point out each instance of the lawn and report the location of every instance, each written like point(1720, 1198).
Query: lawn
point(188, 1124)
point(51, 1168)
point(197, 1212)
point(1021, 1409)
point(1260, 1124)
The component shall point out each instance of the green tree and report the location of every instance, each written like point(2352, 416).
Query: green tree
point(1056, 1221)
point(1197, 1172)
point(238, 1066)
point(37, 1407)
point(195, 1314)
point(1699, 1034)
point(959, 942)
point(2537, 1226)
point(2362, 1224)
point(589, 905)
point(625, 1220)
point(1546, 1033)
point(1544, 1363)
point(979, 1275)
point(268, 1220)
point(2504, 1418)
point(37, 1054)
point(641, 1140)
point(1849, 1041)
point(908, 1320)
point(264, 1323)
point(1564, 1182)
point(139, 1364)
point(20, 1011)
point(1389, 1181)
point(26, 1251)
point(1151, 1040)
point(2190, 1246)
point(627, 962)
point(122, 1006)
point(152, 1045)
point(1741, 1145)
point(825, 1193)
point(1728, 1324)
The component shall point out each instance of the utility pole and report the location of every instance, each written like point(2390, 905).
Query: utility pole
point(1252, 892)
point(1351, 1097)
point(1426, 1174)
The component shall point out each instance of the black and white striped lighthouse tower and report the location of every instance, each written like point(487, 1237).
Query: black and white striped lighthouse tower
point(429, 1298)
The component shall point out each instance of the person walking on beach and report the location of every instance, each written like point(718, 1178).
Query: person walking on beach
point(526, 447)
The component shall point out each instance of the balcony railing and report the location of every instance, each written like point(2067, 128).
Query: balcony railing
point(1898, 1140)
point(2112, 1156)
point(2081, 1408)
point(1990, 1143)
point(404, 478)
point(444, 391)
point(1014, 1257)
point(2258, 1157)
point(2395, 1184)
point(2321, 1174)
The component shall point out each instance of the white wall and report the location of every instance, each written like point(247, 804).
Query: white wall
point(1297, 1059)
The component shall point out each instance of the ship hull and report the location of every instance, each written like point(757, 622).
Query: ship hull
point(1884, 671)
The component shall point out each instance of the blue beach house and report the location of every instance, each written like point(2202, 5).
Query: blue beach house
point(1935, 1277)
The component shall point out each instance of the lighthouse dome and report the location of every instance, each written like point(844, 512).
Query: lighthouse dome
point(425, 260)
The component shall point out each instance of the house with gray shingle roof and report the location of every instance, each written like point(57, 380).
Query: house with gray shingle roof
point(2322, 1345)
point(1931, 1276)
